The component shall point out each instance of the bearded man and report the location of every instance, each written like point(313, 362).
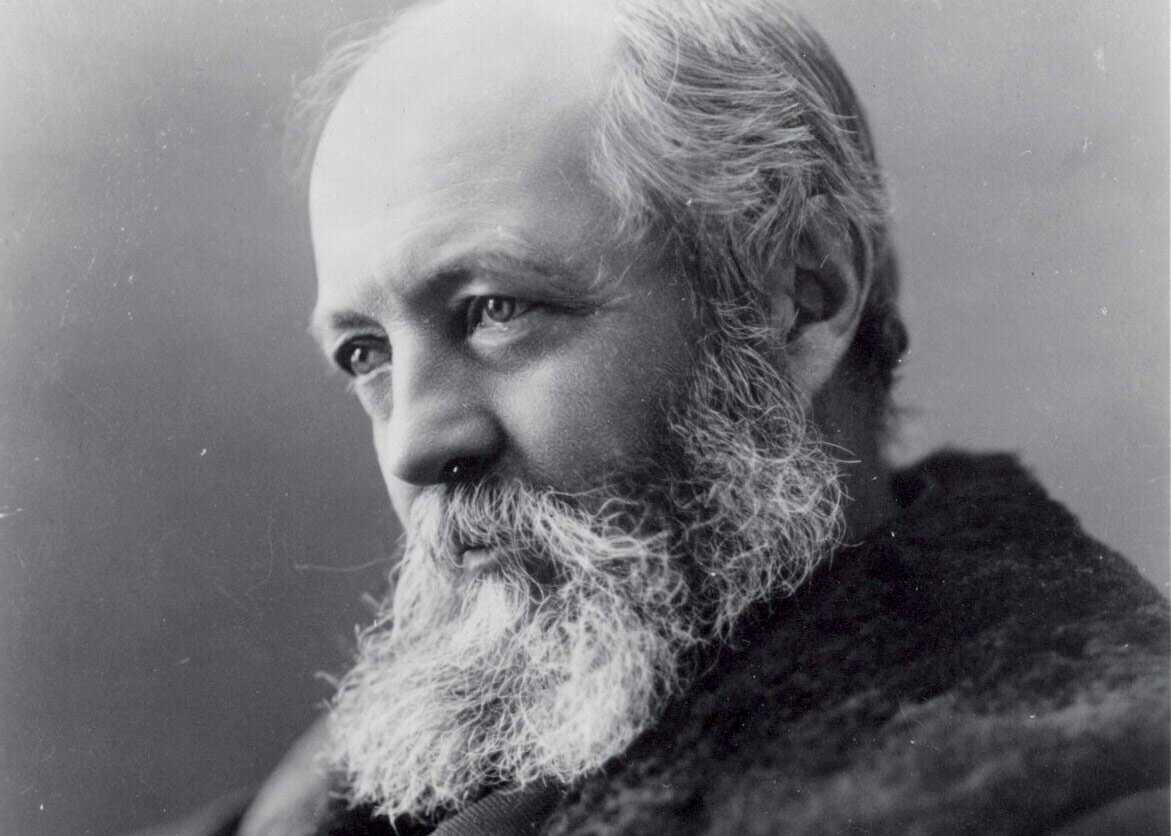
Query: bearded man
point(613, 283)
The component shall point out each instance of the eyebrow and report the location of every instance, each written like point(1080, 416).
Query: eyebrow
point(509, 257)
point(339, 321)
point(519, 259)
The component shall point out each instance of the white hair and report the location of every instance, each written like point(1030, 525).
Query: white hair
point(726, 122)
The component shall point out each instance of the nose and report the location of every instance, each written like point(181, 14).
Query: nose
point(440, 429)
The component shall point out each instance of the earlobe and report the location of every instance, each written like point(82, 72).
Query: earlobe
point(821, 295)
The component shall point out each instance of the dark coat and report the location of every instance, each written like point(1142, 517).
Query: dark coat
point(977, 665)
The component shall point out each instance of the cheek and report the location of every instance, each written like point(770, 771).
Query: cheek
point(401, 497)
point(597, 409)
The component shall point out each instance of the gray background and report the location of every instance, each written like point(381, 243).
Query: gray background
point(189, 511)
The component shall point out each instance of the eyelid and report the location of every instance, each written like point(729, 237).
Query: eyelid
point(477, 305)
point(555, 287)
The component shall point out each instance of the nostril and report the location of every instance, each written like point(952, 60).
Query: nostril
point(461, 470)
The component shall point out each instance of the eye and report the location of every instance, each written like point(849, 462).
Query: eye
point(494, 310)
point(359, 356)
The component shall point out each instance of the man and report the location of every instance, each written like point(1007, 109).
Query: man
point(612, 282)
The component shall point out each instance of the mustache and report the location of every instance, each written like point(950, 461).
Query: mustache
point(527, 523)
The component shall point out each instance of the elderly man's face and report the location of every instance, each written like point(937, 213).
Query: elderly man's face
point(467, 279)
point(545, 407)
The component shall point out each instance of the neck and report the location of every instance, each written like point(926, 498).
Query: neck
point(847, 414)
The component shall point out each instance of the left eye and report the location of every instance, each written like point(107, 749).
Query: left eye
point(494, 310)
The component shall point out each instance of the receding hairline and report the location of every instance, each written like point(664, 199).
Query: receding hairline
point(631, 174)
point(353, 52)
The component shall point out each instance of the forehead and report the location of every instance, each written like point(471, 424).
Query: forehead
point(473, 118)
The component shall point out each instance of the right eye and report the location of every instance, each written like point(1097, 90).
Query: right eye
point(362, 355)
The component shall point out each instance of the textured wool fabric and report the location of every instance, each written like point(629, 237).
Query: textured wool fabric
point(976, 665)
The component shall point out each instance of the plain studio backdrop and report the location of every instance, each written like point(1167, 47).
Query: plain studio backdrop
point(190, 509)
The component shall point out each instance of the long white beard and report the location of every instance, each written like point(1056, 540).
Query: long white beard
point(553, 664)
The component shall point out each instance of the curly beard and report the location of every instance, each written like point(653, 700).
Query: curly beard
point(591, 621)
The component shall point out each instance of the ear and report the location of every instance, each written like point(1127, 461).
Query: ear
point(818, 299)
